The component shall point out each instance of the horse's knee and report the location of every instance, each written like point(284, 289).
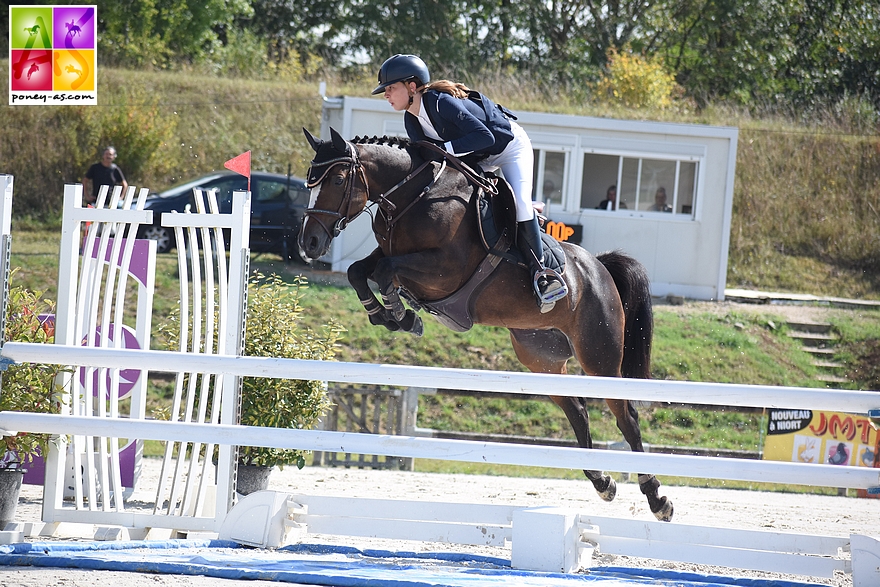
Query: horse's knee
point(357, 273)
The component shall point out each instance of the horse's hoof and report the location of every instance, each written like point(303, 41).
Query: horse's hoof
point(664, 512)
point(412, 323)
point(610, 491)
point(418, 328)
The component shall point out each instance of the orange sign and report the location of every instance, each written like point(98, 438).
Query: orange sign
point(560, 231)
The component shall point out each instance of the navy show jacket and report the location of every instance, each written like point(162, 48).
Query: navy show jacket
point(462, 122)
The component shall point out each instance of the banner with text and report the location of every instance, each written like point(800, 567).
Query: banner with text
point(830, 438)
point(53, 55)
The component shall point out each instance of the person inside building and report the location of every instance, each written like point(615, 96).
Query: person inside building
point(660, 204)
point(470, 126)
point(610, 201)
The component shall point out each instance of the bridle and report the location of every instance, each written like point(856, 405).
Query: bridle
point(354, 168)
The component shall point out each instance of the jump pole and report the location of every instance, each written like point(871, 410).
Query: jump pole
point(456, 450)
point(723, 394)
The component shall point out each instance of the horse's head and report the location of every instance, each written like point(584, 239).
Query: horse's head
point(339, 192)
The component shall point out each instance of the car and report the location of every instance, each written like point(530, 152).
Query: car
point(278, 203)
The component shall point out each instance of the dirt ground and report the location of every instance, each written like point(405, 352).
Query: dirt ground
point(811, 514)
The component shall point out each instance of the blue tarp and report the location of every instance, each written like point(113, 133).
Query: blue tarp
point(339, 566)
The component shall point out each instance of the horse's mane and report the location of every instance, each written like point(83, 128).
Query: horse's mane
point(399, 142)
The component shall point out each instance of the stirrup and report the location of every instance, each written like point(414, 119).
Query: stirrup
point(550, 294)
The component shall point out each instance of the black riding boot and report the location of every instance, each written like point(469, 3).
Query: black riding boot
point(548, 284)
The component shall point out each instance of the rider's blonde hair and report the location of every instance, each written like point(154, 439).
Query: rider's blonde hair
point(447, 87)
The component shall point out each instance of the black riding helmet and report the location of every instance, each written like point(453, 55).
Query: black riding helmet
point(401, 68)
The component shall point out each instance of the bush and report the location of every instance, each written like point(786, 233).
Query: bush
point(28, 387)
point(636, 82)
point(273, 330)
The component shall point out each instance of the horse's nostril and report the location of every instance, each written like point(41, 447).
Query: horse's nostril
point(312, 244)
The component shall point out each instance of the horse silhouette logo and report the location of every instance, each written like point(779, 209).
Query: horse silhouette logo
point(32, 30)
point(72, 69)
point(34, 68)
point(72, 29)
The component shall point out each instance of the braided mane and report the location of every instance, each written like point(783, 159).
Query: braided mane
point(399, 142)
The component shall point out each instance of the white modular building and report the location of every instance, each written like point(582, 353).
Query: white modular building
point(577, 159)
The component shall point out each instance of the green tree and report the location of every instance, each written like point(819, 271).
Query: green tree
point(159, 32)
point(770, 51)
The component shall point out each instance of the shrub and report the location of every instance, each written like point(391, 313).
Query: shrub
point(28, 387)
point(273, 330)
point(636, 82)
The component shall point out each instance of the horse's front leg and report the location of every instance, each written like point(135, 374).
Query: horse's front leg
point(359, 273)
point(431, 273)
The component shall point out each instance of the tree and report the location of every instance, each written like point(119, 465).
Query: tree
point(158, 32)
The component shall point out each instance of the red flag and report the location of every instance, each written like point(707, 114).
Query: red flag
point(241, 165)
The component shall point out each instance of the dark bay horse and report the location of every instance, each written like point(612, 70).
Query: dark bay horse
point(426, 226)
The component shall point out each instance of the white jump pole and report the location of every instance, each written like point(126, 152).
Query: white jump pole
point(722, 394)
point(457, 450)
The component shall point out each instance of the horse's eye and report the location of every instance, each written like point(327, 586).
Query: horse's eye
point(339, 180)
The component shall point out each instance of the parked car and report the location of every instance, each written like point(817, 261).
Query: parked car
point(277, 206)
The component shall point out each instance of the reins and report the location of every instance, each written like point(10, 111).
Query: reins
point(472, 176)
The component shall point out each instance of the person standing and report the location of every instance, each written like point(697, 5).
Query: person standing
point(472, 127)
point(105, 172)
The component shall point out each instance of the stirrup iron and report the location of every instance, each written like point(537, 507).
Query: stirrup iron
point(553, 295)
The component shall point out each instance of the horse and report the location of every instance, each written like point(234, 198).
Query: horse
point(426, 227)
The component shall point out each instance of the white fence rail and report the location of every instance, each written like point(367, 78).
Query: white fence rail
point(859, 402)
point(715, 394)
point(454, 450)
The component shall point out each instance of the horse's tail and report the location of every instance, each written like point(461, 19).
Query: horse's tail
point(634, 288)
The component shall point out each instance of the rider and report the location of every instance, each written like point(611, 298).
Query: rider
point(459, 119)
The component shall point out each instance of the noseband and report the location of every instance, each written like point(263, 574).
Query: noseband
point(354, 168)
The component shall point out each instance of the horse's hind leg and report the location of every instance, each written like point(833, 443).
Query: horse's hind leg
point(628, 423)
point(575, 410)
point(547, 351)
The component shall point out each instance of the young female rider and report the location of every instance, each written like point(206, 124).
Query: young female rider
point(443, 112)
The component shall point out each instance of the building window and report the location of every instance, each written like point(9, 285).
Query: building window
point(643, 183)
point(549, 176)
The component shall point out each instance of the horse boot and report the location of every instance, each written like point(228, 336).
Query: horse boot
point(548, 284)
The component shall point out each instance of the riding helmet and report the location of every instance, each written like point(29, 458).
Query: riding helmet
point(401, 68)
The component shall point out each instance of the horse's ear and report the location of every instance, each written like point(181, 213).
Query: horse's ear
point(339, 143)
point(313, 141)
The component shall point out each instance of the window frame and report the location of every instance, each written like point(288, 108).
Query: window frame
point(541, 148)
point(626, 149)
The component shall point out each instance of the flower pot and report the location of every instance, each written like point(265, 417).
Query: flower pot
point(252, 478)
point(10, 488)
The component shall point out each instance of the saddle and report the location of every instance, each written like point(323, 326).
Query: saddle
point(497, 228)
